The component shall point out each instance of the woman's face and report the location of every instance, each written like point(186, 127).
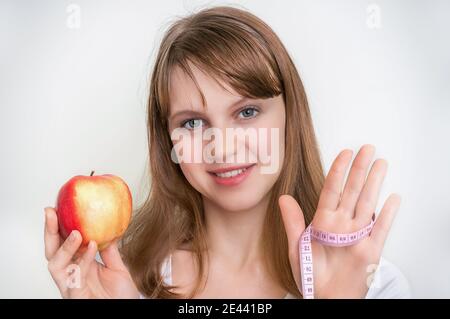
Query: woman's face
point(232, 150)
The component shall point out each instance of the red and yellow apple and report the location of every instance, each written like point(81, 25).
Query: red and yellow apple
point(99, 207)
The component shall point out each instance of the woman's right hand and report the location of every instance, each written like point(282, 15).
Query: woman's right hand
point(89, 278)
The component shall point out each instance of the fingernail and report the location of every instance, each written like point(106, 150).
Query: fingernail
point(349, 151)
point(91, 244)
point(73, 235)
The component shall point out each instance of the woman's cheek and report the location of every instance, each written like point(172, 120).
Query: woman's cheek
point(193, 173)
point(269, 148)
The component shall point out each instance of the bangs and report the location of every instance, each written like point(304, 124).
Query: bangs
point(227, 50)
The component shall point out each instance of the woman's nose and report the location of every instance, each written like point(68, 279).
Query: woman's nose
point(225, 146)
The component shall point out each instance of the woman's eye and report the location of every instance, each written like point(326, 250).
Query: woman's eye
point(193, 124)
point(248, 113)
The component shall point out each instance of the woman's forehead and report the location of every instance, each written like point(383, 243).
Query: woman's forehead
point(184, 93)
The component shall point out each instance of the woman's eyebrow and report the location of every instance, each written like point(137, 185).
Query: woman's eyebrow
point(241, 100)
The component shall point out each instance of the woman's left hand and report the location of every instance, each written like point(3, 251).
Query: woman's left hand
point(343, 272)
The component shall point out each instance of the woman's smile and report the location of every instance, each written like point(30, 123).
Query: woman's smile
point(231, 176)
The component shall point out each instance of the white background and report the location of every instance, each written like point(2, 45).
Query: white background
point(72, 100)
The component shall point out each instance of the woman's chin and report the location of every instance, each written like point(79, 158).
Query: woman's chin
point(238, 202)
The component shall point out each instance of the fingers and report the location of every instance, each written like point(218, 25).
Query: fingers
point(65, 253)
point(52, 238)
point(59, 262)
point(385, 219)
point(111, 257)
point(87, 258)
point(356, 179)
point(368, 198)
point(294, 224)
point(331, 192)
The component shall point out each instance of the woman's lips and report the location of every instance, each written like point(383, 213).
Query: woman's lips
point(231, 176)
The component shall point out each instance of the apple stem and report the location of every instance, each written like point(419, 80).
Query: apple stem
point(92, 173)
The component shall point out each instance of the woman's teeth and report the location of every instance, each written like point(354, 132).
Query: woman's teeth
point(231, 173)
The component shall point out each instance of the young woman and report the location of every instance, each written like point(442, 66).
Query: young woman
point(220, 229)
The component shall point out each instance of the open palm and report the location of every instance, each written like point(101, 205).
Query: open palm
point(343, 272)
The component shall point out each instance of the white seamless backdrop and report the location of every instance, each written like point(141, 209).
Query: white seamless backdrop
point(73, 87)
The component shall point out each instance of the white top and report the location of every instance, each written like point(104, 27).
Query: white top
point(387, 282)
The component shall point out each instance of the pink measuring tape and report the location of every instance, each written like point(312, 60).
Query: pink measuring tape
point(327, 239)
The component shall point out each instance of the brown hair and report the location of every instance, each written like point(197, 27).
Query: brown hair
point(237, 47)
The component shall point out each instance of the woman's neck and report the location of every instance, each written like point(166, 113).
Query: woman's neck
point(235, 236)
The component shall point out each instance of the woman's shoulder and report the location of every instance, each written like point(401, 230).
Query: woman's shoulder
point(179, 256)
point(388, 282)
point(179, 259)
